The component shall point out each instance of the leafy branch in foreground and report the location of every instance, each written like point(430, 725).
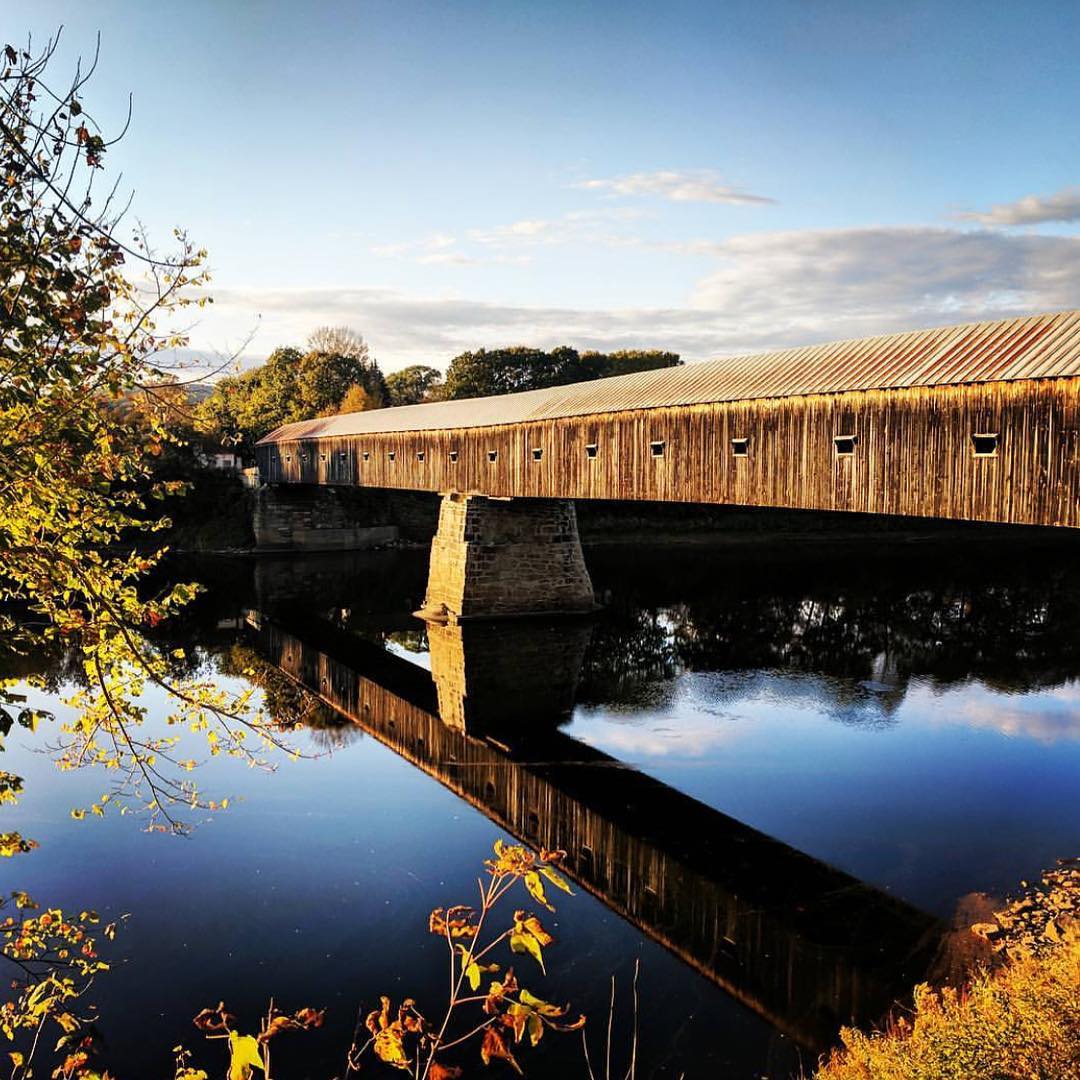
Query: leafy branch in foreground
point(501, 1017)
point(86, 317)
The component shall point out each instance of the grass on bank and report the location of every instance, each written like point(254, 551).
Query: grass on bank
point(1021, 1021)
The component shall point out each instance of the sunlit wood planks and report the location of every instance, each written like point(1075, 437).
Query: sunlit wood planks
point(914, 454)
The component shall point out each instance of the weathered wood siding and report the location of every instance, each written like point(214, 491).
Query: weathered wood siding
point(914, 455)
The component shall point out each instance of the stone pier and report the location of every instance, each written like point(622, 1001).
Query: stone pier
point(494, 558)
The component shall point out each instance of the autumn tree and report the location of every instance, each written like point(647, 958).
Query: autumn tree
point(294, 385)
point(356, 399)
point(85, 313)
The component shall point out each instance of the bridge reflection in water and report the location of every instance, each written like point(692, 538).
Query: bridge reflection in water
point(805, 945)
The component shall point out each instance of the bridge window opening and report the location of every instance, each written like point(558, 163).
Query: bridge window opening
point(367, 455)
point(538, 453)
point(288, 457)
point(392, 455)
point(342, 455)
point(657, 448)
point(740, 447)
point(590, 450)
point(453, 456)
point(419, 455)
point(845, 445)
point(985, 444)
point(303, 457)
point(532, 824)
point(493, 455)
point(585, 860)
point(322, 457)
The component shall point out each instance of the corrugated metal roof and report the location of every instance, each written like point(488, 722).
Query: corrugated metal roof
point(1033, 347)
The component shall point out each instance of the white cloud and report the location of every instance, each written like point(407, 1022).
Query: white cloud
point(439, 249)
point(1063, 205)
point(1046, 716)
point(844, 282)
point(694, 185)
point(577, 226)
point(770, 290)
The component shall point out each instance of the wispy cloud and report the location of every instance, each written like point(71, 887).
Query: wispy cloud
point(576, 226)
point(1063, 205)
point(692, 185)
point(439, 249)
point(769, 290)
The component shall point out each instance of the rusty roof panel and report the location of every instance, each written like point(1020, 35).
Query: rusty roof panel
point(1032, 347)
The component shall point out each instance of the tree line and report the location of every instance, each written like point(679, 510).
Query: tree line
point(337, 374)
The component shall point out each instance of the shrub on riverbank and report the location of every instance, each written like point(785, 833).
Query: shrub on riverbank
point(1022, 1021)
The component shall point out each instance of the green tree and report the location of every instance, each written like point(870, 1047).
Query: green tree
point(413, 384)
point(506, 371)
point(626, 361)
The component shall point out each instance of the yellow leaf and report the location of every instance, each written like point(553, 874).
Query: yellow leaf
point(526, 943)
point(390, 1047)
point(245, 1056)
point(556, 879)
point(536, 889)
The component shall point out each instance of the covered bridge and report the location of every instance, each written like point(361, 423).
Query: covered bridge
point(976, 422)
point(979, 422)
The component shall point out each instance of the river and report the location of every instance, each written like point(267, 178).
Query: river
point(783, 773)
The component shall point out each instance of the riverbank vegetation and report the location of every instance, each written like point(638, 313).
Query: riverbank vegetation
point(1017, 1020)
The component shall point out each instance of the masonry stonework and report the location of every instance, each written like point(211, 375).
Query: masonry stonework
point(503, 557)
point(310, 518)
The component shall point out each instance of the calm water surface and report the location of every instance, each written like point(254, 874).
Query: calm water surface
point(780, 777)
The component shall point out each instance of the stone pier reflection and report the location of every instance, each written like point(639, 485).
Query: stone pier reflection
point(805, 945)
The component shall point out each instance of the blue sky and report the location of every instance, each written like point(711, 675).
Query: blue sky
point(708, 177)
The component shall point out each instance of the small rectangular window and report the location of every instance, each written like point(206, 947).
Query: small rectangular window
point(392, 455)
point(342, 455)
point(453, 455)
point(322, 457)
point(657, 448)
point(590, 450)
point(419, 455)
point(493, 455)
point(740, 447)
point(367, 455)
point(537, 453)
point(985, 444)
point(303, 457)
point(845, 445)
point(288, 457)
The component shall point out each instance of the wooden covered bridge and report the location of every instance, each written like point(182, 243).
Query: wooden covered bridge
point(979, 422)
